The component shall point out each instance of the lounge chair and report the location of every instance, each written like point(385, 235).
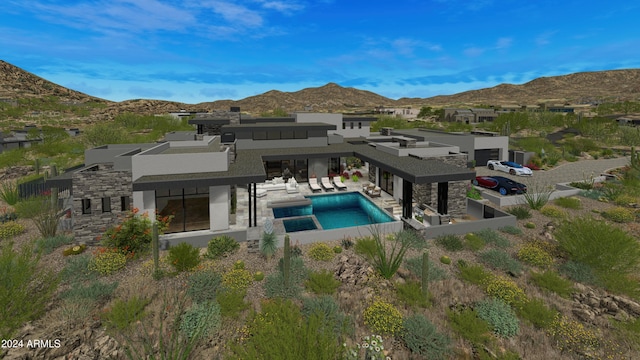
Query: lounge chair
point(337, 181)
point(375, 192)
point(292, 186)
point(326, 183)
point(313, 184)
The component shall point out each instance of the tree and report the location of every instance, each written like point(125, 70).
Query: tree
point(425, 111)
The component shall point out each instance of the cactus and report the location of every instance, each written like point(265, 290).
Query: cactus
point(425, 274)
point(155, 249)
point(36, 166)
point(286, 263)
point(54, 170)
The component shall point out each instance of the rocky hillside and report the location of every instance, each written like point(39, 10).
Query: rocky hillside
point(614, 85)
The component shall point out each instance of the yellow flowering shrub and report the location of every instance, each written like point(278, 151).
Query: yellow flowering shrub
point(535, 255)
point(321, 251)
point(572, 335)
point(10, 229)
point(383, 317)
point(505, 289)
point(107, 261)
point(237, 279)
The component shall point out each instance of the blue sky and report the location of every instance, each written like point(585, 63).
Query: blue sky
point(203, 50)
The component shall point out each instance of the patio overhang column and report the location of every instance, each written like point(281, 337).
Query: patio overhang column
point(255, 205)
point(407, 199)
point(249, 202)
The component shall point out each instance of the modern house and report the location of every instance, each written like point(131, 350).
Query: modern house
point(195, 175)
point(470, 116)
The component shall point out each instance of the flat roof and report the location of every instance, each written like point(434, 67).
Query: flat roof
point(281, 125)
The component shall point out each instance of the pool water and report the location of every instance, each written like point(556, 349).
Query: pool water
point(301, 224)
point(339, 210)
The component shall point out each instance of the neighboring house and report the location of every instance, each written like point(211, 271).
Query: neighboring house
point(470, 116)
point(193, 176)
point(404, 113)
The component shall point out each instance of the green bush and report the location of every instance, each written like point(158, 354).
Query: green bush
point(513, 230)
point(500, 260)
point(383, 318)
point(9, 192)
point(95, 291)
point(568, 202)
point(411, 294)
point(203, 286)
point(10, 229)
point(612, 253)
point(321, 252)
point(329, 311)
point(48, 245)
point(435, 272)
point(551, 281)
point(475, 274)
point(274, 284)
point(469, 326)
point(133, 235)
point(237, 279)
point(450, 242)
point(578, 272)
point(505, 289)
point(107, 261)
point(232, 302)
point(445, 260)
point(571, 335)
point(493, 237)
point(423, 339)
point(184, 257)
point(530, 225)
point(337, 249)
point(499, 316)
point(619, 215)
point(537, 313)
point(281, 332)
point(124, 313)
point(533, 254)
point(520, 212)
point(77, 269)
point(536, 197)
point(268, 244)
point(322, 282)
point(553, 211)
point(365, 246)
point(387, 259)
point(26, 288)
point(201, 320)
point(474, 242)
point(221, 246)
point(258, 276)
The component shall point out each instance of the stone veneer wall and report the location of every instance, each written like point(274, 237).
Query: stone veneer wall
point(94, 185)
point(211, 129)
point(372, 173)
point(428, 193)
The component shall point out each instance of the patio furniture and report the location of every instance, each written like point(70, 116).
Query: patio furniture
point(313, 184)
point(292, 186)
point(326, 183)
point(375, 192)
point(367, 187)
point(337, 181)
point(260, 193)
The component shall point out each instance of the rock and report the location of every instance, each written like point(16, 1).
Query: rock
point(622, 316)
point(584, 314)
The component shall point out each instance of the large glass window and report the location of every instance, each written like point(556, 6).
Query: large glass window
point(189, 206)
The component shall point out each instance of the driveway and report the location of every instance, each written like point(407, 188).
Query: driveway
point(567, 172)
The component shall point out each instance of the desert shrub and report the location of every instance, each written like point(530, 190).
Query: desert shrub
point(7, 216)
point(346, 243)
point(475, 274)
point(204, 286)
point(387, 259)
point(537, 196)
point(221, 246)
point(382, 317)
point(26, 288)
point(578, 272)
point(568, 202)
point(281, 332)
point(513, 230)
point(95, 291)
point(493, 237)
point(107, 261)
point(445, 259)
point(133, 235)
point(423, 339)
point(500, 260)
point(258, 276)
point(530, 225)
point(474, 242)
point(321, 252)
point(124, 313)
point(322, 282)
point(337, 249)
point(231, 302)
point(537, 313)
point(77, 269)
point(551, 281)
point(506, 290)
point(626, 200)
point(9, 192)
point(450, 242)
point(47, 245)
point(499, 316)
point(411, 294)
point(435, 272)
point(619, 214)
point(553, 211)
point(184, 257)
point(570, 335)
point(274, 283)
point(520, 212)
point(469, 326)
point(74, 250)
point(237, 279)
point(201, 320)
point(629, 331)
point(533, 254)
point(328, 310)
point(268, 244)
point(10, 229)
point(612, 253)
point(365, 246)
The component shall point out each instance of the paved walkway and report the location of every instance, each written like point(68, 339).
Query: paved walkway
point(567, 172)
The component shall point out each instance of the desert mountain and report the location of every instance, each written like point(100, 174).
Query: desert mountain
point(613, 85)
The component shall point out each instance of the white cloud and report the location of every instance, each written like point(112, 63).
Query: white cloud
point(473, 51)
point(504, 43)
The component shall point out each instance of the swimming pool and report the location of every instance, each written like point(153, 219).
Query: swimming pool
point(299, 224)
point(338, 210)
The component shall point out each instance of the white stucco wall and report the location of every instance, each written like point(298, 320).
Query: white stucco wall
point(219, 197)
point(145, 201)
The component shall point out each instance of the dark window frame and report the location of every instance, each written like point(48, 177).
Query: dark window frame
point(86, 206)
point(106, 204)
